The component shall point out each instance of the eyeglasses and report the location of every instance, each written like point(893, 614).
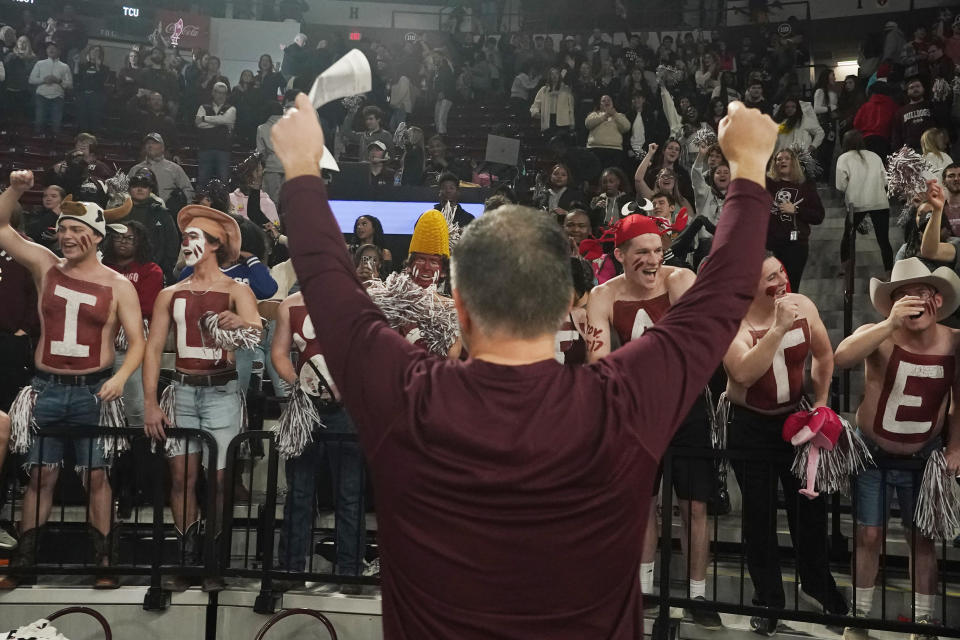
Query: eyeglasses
point(124, 239)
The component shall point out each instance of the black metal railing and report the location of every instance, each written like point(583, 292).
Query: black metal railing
point(254, 527)
point(895, 571)
point(140, 545)
point(315, 505)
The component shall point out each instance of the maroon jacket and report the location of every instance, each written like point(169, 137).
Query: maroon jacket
point(19, 295)
point(875, 116)
point(512, 500)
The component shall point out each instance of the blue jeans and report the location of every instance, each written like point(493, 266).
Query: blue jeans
point(62, 405)
point(47, 109)
point(132, 392)
point(347, 479)
point(216, 410)
point(212, 163)
point(875, 488)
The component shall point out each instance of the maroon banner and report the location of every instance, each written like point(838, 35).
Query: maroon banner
point(184, 30)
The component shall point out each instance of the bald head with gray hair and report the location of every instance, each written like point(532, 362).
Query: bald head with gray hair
point(511, 270)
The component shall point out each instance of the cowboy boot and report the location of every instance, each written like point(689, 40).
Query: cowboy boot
point(105, 554)
point(25, 555)
point(214, 583)
point(190, 543)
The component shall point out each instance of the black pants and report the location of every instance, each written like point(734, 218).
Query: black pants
point(753, 432)
point(793, 255)
point(825, 157)
point(608, 157)
point(16, 366)
point(881, 227)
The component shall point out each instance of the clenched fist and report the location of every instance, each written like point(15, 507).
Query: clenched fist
point(21, 181)
point(747, 138)
point(298, 139)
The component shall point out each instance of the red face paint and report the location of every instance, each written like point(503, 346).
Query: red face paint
point(930, 308)
point(425, 270)
point(772, 290)
point(84, 243)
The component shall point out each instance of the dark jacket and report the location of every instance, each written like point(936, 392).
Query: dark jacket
point(295, 60)
point(162, 232)
point(909, 123)
point(809, 211)
point(462, 217)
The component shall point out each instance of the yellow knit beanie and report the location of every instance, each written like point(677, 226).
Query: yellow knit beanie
point(430, 235)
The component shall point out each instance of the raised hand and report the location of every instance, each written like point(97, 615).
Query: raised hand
point(747, 138)
point(904, 308)
point(298, 139)
point(786, 312)
point(21, 181)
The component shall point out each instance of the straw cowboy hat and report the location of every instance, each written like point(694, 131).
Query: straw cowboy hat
point(914, 271)
point(217, 223)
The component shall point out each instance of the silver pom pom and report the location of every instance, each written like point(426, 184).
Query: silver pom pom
point(351, 103)
point(454, 231)
point(401, 136)
point(22, 424)
point(940, 92)
point(406, 303)
point(112, 415)
point(938, 506)
point(849, 457)
point(905, 173)
point(168, 405)
point(669, 76)
point(811, 168)
point(118, 188)
point(704, 137)
point(229, 339)
point(294, 429)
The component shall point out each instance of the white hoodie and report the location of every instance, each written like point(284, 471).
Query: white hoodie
point(860, 175)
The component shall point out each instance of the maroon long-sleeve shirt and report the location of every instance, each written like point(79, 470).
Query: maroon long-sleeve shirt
point(512, 500)
point(18, 294)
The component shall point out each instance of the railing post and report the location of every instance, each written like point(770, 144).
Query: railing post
point(156, 599)
point(662, 627)
point(266, 601)
point(849, 286)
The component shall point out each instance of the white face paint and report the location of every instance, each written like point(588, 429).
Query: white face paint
point(194, 245)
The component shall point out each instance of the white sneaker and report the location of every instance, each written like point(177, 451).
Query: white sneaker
point(854, 633)
point(7, 541)
point(923, 636)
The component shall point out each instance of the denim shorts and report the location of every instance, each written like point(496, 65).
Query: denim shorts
point(875, 489)
point(63, 405)
point(218, 410)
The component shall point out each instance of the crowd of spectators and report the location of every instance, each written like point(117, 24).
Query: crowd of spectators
point(625, 125)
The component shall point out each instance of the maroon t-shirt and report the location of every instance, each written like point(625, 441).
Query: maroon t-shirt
point(512, 500)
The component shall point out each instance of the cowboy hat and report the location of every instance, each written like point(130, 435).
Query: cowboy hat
point(224, 227)
point(914, 271)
